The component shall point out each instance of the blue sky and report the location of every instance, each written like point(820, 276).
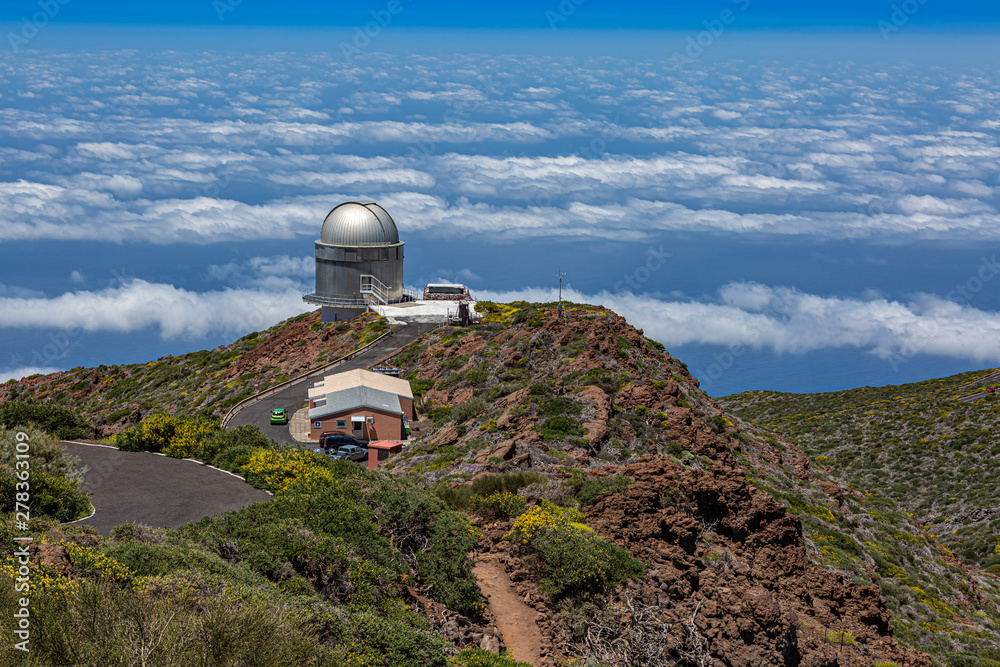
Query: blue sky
point(588, 14)
point(783, 206)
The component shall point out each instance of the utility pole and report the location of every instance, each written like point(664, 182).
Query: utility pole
point(560, 277)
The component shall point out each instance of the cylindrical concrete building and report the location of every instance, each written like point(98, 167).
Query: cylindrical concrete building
point(359, 260)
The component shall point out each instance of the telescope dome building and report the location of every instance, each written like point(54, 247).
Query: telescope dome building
point(359, 261)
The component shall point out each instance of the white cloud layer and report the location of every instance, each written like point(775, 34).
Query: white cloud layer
point(138, 305)
point(785, 320)
point(778, 319)
point(115, 148)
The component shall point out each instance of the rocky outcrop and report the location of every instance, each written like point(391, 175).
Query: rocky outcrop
point(731, 579)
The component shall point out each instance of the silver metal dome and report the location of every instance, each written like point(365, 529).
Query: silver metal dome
point(359, 223)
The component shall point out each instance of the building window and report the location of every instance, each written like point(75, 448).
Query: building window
point(341, 423)
point(318, 424)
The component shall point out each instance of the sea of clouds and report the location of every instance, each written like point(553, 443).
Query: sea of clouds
point(173, 148)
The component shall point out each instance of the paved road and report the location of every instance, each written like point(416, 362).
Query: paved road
point(974, 397)
point(155, 490)
point(983, 394)
point(295, 396)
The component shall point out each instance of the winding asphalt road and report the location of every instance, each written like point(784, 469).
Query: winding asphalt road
point(295, 396)
point(983, 394)
point(161, 491)
point(155, 490)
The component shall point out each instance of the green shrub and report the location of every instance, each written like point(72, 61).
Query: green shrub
point(512, 482)
point(54, 478)
point(446, 567)
point(500, 505)
point(471, 408)
point(51, 495)
point(575, 562)
point(559, 427)
point(541, 388)
point(591, 489)
point(561, 406)
point(246, 435)
point(382, 641)
point(656, 345)
point(234, 458)
point(441, 415)
point(56, 420)
point(103, 624)
point(420, 387)
point(455, 497)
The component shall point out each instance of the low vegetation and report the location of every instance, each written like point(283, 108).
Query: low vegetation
point(576, 562)
point(55, 420)
point(208, 382)
point(916, 443)
point(52, 482)
point(527, 422)
point(320, 572)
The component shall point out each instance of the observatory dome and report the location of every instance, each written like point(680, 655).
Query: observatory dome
point(359, 223)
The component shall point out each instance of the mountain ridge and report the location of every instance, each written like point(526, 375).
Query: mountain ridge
point(755, 553)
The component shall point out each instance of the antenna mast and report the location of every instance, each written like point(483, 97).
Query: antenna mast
point(560, 277)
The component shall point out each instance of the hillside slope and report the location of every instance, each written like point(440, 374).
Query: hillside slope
point(748, 552)
point(766, 556)
point(207, 382)
point(935, 455)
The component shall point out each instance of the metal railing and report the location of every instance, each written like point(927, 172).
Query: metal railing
point(372, 286)
point(330, 301)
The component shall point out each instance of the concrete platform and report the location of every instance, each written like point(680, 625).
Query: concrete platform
point(432, 312)
point(298, 427)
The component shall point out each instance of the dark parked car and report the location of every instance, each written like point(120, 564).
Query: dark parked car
point(334, 441)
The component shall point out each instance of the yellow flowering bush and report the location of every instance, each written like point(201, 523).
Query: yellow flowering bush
point(575, 561)
point(95, 564)
point(499, 505)
point(177, 436)
point(529, 524)
point(188, 438)
point(284, 470)
point(44, 579)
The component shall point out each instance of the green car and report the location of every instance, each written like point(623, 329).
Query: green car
point(279, 416)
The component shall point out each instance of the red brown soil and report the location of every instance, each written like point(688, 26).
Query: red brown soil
point(729, 569)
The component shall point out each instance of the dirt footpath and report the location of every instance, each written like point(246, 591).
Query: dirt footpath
point(515, 619)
